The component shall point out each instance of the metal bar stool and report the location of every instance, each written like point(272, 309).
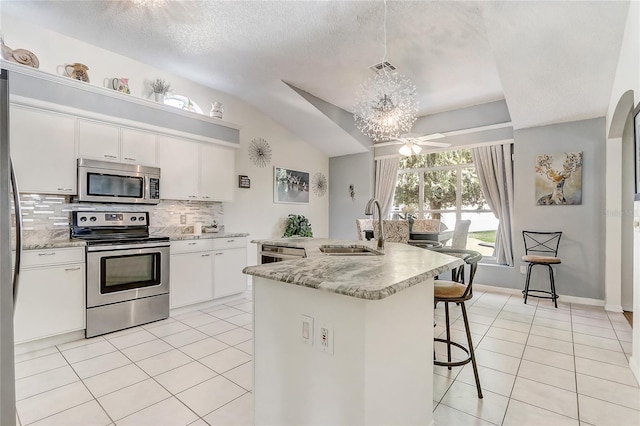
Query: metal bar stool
point(455, 291)
point(541, 248)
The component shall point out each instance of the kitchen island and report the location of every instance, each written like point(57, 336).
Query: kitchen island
point(345, 339)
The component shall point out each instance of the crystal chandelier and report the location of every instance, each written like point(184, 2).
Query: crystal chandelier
point(386, 105)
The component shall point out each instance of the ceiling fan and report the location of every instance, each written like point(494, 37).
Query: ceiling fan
point(411, 143)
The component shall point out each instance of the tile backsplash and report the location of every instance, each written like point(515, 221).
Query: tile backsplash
point(51, 214)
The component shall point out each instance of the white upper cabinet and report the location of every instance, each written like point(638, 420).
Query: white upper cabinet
point(109, 142)
point(217, 172)
point(138, 147)
point(43, 150)
point(98, 140)
point(192, 170)
point(178, 161)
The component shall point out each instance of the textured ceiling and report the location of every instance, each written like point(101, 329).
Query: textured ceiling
point(551, 61)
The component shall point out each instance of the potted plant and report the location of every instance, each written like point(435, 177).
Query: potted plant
point(160, 88)
point(298, 225)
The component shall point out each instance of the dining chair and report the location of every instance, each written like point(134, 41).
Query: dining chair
point(395, 231)
point(455, 291)
point(541, 248)
point(362, 225)
point(460, 233)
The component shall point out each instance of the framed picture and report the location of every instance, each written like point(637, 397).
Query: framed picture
point(290, 186)
point(636, 148)
point(558, 179)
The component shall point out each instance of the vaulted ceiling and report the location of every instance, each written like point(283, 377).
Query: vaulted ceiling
point(552, 61)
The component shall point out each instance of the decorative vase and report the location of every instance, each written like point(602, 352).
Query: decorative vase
point(216, 110)
point(159, 97)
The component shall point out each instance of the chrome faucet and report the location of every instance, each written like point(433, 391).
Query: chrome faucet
point(368, 210)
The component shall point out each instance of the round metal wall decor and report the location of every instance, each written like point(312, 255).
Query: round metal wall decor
point(260, 152)
point(319, 184)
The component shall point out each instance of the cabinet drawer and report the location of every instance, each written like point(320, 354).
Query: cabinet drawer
point(188, 246)
point(229, 242)
point(33, 258)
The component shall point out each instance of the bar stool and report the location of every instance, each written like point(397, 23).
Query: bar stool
point(455, 291)
point(545, 244)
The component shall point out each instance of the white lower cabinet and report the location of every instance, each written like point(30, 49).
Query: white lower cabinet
point(206, 269)
point(51, 297)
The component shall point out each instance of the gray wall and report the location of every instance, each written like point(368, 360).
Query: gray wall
point(582, 246)
point(628, 193)
point(356, 169)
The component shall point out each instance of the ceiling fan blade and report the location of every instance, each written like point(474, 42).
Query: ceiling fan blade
point(394, 142)
point(430, 137)
point(438, 144)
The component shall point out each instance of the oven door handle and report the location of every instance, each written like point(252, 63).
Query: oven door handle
point(110, 247)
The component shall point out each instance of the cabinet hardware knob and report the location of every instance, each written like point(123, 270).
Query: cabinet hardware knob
point(129, 158)
point(206, 196)
point(47, 254)
point(72, 269)
point(230, 241)
point(64, 189)
point(110, 156)
point(206, 255)
point(219, 254)
point(191, 244)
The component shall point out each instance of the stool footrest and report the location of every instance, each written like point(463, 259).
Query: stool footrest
point(454, 363)
point(539, 296)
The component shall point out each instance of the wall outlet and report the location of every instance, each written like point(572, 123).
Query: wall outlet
point(325, 338)
point(306, 329)
point(523, 269)
point(183, 219)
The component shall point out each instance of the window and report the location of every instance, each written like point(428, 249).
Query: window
point(444, 185)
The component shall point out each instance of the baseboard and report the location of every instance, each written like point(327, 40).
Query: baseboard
point(635, 368)
point(613, 308)
point(35, 345)
point(210, 303)
point(518, 292)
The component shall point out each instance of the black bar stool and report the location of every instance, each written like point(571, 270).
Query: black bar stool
point(455, 291)
point(541, 248)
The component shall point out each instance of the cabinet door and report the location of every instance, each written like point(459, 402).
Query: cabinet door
point(228, 277)
point(217, 173)
point(191, 278)
point(178, 161)
point(98, 140)
point(43, 151)
point(50, 302)
point(138, 147)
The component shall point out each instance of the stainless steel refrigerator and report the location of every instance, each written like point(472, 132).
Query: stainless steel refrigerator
point(8, 278)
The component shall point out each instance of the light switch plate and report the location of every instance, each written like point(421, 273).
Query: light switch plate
point(306, 329)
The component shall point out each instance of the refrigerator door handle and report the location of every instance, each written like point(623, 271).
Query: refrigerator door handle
point(18, 213)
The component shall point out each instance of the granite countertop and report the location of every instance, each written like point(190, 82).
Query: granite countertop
point(35, 244)
point(204, 236)
point(366, 277)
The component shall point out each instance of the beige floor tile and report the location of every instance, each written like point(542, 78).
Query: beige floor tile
point(521, 414)
point(225, 359)
point(598, 412)
point(155, 324)
point(114, 380)
point(238, 412)
point(616, 393)
point(100, 364)
point(514, 316)
point(598, 342)
point(233, 337)
point(594, 331)
point(169, 412)
point(510, 335)
point(80, 342)
point(89, 413)
point(445, 372)
point(478, 329)
point(604, 355)
point(52, 402)
point(147, 349)
point(447, 416)
point(126, 401)
point(603, 370)
point(39, 365)
point(519, 308)
point(502, 346)
point(554, 315)
point(215, 328)
point(595, 322)
point(245, 307)
point(625, 336)
point(188, 314)
point(478, 310)
point(163, 362)
point(550, 344)
point(42, 382)
point(184, 338)
point(210, 395)
point(167, 329)
point(492, 380)
point(130, 339)
point(198, 320)
point(627, 347)
point(201, 422)
point(226, 313)
point(621, 326)
point(480, 319)
point(506, 364)
point(464, 397)
point(185, 377)
point(203, 347)
point(512, 325)
point(248, 327)
point(554, 359)
point(34, 354)
point(549, 375)
point(550, 398)
point(241, 375)
point(552, 333)
point(589, 311)
point(441, 385)
point(240, 320)
point(246, 346)
point(552, 323)
point(84, 352)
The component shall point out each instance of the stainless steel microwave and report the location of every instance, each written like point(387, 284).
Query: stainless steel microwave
point(107, 182)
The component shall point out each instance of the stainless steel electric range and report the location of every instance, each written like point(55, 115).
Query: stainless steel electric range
point(127, 270)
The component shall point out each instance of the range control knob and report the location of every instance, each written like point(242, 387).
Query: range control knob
point(93, 218)
point(133, 218)
point(141, 218)
point(83, 219)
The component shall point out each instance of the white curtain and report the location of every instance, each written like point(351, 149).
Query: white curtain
point(386, 178)
point(495, 171)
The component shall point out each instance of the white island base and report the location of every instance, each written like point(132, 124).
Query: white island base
point(381, 369)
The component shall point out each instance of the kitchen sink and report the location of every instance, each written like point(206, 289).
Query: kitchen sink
point(350, 250)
